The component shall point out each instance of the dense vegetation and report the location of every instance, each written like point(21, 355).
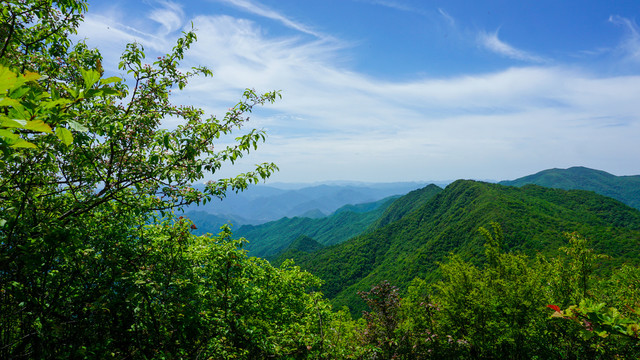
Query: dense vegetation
point(407, 204)
point(623, 188)
point(509, 308)
point(534, 220)
point(94, 263)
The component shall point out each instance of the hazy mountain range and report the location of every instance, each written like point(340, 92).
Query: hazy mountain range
point(261, 203)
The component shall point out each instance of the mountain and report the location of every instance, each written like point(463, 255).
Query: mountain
point(259, 204)
point(622, 188)
point(533, 218)
point(305, 244)
point(302, 244)
point(271, 238)
point(408, 203)
point(209, 223)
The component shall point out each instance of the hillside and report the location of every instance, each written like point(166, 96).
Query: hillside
point(406, 204)
point(300, 246)
point(623, 188)
point(533, 218)
point(271, 238)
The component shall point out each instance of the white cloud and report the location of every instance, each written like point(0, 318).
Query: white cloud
point(112, 28)
point(336, 123)
point(392, 4)
point(169, 16)
point(631, 44)
point(261, 10)
point(334, 118)
point(491, 42)
point(397, 5)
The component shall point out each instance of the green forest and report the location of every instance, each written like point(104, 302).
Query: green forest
point(97, 262)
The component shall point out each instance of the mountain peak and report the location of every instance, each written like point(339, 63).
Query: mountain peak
point(622, 188)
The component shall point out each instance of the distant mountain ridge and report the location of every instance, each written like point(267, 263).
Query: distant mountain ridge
point(623, 188)
point(261, 203)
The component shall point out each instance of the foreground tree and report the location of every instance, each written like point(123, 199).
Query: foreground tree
point(92, 261)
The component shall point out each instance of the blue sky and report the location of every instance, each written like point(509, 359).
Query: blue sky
point(407, 90)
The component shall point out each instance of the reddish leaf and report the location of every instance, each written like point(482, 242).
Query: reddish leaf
point(554, 307)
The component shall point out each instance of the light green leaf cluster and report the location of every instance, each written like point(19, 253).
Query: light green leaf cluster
point(26, 109)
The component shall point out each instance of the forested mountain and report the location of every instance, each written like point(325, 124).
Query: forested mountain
point(302, 244)
point(260, 204)
point(406, 204)
point(533, 218)
point(346, 222)
point(274, 237)
point(623, 188)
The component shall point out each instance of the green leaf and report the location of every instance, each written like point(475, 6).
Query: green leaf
point(31, 76)
point(12, 123)
point(9, 102)
point(166, 141)
point(19, 92)
point(92, 93)
point(73, 92)
point(54, 103)
point(110, 80)
point(109, 92)
point(90, 77)
point(21, 79)
point(64, 135)
point(8, 134)
point(7, 79)
point(74, 125)
point(38, 125)
point(18, 112)
point(21, 143)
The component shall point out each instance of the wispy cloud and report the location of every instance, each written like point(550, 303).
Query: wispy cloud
point(450, 20)
point(335, 122)
point(492, 42)
point(169, 15)
point(261, 10)
point(109, 27)
point(396, 5)
point(631, 43)
point(392, 4)
point(336, 118)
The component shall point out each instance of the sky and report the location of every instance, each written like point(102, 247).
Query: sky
point(405, 90)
